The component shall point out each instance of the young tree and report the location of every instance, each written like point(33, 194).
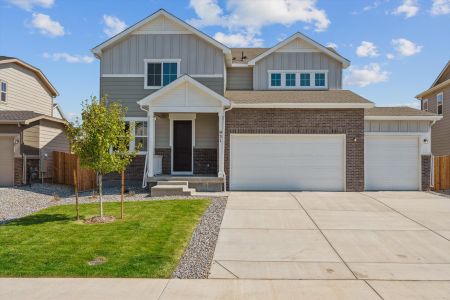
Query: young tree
point(102, 138)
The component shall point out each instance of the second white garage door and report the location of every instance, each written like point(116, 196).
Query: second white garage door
point(392, 163)
point(287, 162)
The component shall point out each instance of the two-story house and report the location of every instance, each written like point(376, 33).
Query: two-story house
point(31, 124)
point(256, 118)
point(436, 99)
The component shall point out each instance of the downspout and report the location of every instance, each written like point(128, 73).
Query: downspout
point(223, 147)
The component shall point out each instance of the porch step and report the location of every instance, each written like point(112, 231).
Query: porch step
point(171, 188)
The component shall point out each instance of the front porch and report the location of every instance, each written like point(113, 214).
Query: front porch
point(200, 182)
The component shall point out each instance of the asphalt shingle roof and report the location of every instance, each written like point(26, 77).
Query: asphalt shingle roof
point(17, 115)
point(397, 111)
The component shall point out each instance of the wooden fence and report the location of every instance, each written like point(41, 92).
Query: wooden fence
point(442, 173)
point(63, 166)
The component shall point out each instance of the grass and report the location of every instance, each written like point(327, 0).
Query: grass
point(147, 243)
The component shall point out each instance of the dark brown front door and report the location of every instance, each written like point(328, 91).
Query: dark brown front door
point(182, 146)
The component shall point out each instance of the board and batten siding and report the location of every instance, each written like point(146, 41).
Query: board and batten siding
point(197, 56)
point(129, 90)
point(396, 126)
point(25, 91)
point(297, 61)
point(239, 78)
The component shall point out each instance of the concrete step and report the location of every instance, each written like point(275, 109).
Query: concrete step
point(172, 182)
point(171, 190)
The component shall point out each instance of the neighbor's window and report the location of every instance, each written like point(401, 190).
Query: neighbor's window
point(161, 73)
point(320, 79)
point(440, 103)
point(290, 79)
point(138, 129)
point(275, 79)
point(3, 90)
point(425, 105)
point(305, 79)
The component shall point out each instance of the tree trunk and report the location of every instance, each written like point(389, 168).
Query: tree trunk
point(75, 183)
point(121, 194)
point(100, 192)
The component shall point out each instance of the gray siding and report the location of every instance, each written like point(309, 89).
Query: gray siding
point(297, 61)
point(396, 126)
point(440, 132)
point(197, 56)
point(129, 90)
point(239, 78)
point(52, 137)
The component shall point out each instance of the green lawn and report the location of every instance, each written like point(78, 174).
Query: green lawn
point(147, 243)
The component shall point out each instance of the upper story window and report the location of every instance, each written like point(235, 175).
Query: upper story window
point(159, 73)
point(425, 105)
point(298, 79)
point(3, 90)
point(440, 103)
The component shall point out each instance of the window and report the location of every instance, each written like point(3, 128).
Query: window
point(161, 73)
point(440, 103)
point(425, 105)
point(305, 79)
point(275, 79)
point(138, 129)
point(3, 90)
point(320, 79)
point(290, 79)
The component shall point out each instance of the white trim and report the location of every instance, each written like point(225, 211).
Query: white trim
point(161, 61)
point(423, 104)
point(304, 105)
point(403, 118)
point(243, 65)
point(139, 32)
point(297, 86)
point(206, 75)
point(441, 95)
point(345, 62)
point(123, 75)
point(132, 122)
point(182, 117)
point(297, 50)
point(98, 49)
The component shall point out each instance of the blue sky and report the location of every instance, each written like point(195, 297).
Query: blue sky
point(396, 47)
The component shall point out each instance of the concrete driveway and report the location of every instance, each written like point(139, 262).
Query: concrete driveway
point(372, 236)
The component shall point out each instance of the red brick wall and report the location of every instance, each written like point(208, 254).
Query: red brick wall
point(426, 172)
point(205, 161)
point(305, 121)
point(18, 171)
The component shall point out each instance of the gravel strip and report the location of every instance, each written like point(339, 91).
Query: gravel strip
point(196, 260)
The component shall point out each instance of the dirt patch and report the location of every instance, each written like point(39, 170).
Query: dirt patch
point(99, 260)
point(100, 220)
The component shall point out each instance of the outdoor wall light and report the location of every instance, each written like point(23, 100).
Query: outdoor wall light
point(425, 141)
point(355, 139)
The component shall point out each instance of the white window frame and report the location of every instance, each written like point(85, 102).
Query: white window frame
point(425, 103)
point(161, 61)
point(6, 92)
point(312, 79)
point(440, 99)
point(132, 121)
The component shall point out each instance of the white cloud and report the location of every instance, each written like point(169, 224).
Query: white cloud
point(440, 7)
point(46, 25)
point(366, 75)
point(69, 58)
point(208, 12)
point(29, 4)
point(238, 40)
point(409, 8)
point(113, 25)
point(332, 45)
point(406, 47)
point(367, 49)
point(390, 56)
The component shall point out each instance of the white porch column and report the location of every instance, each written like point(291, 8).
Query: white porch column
point(221, 143)
point(150, 142)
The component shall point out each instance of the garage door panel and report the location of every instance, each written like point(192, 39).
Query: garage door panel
point(287, 162)
point(392, 162)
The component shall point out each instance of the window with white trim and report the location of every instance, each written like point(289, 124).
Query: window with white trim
point(138, 128)
point(425, 105)
point(3, 90)
point(298, 79)
point(440, 103)
point(159, 73)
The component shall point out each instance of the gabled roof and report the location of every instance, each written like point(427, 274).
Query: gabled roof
point(8, 59)
point(447, 66)
point(24, 117)
point(98, 49)
point(399, 113)
point(180, 80)
point(298, 35)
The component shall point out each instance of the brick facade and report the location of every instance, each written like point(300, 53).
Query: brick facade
point(426, 172)
point(166, 161)
point(305, 121)
point(133, 174)
point(205, 161)
point(18, 171)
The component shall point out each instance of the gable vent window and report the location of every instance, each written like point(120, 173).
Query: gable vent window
point(425, 105)
point(298, 79)
point(159, 73)
point(3, 90)
point(440, 103)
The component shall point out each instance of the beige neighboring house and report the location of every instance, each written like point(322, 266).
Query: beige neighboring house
point(436, 99)
point(31, 125)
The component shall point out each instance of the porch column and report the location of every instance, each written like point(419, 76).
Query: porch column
point(150, 142)
point(221, 143)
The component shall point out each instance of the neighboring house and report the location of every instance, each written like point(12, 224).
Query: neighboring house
point(436, 99)
point(256, 118)
point(29, 128)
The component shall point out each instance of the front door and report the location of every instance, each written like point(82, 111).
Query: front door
point(182, 146)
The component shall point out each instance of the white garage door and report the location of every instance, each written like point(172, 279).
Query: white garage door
point(287, 162)
point(6, 161)
point(392, 163)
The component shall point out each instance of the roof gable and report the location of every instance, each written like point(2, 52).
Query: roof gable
point(445, 71)
point(299, 42)
point(160, 21)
